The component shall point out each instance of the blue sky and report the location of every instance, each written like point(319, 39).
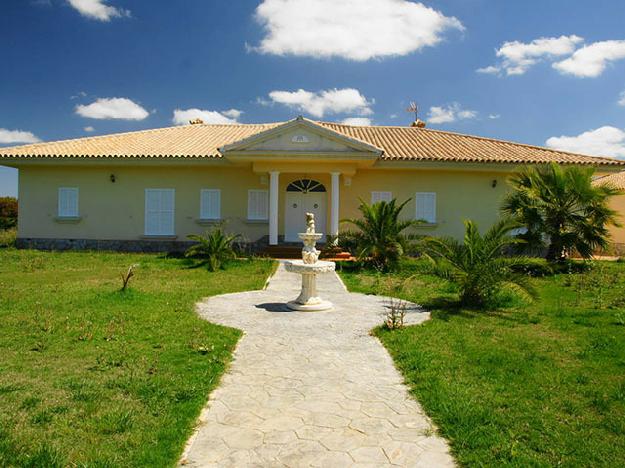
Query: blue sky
point(539, 72)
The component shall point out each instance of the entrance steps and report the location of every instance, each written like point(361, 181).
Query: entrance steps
point(294, 251)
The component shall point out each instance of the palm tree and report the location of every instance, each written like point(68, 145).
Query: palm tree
point(380, 241)
point(561, 205)
point(478, 264)
point(215, 248)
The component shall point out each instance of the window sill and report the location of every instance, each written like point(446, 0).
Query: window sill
point(426, 225)
point(157, 237)
point(257, 221)
point(207, 222)
point(68, 219)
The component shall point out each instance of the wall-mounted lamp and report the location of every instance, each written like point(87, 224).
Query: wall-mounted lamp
point(113, 178)
point(347, 181)
point(493, 184)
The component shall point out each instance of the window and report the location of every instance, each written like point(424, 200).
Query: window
point(258, 204)
point(381, 196)
point(426, 206)
point(159, 212)
point(68, 202)
point(210, 204)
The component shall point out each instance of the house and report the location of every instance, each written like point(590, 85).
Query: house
point(147, 190)
point(617, 203)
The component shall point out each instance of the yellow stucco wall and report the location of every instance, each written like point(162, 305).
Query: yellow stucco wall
point(618, 233)
point(459, 195)
point(116, 210)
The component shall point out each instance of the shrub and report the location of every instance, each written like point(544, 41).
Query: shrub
point(8, 212)
point(8, 237)
point(536, 267)
point(214, 248)
point(563, 208)
point(478, 265)
point(380, 241)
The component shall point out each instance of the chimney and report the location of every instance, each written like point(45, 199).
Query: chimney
point(418, 123)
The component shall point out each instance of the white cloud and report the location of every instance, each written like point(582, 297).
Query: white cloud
point(329, 101)
point(621, 101)
point(494, 116)
point(357, 121)
point(112, 108)
point(490, 70)
point(233, 113)
point(603, 141)
point(449, 113)
point(351, 29)
point(183, 116)
point(98, 9)
point(10, 137)
point(517, 57)
point(590, 61)
point(89, 129)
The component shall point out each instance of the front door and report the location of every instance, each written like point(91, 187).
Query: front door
point(304, 196)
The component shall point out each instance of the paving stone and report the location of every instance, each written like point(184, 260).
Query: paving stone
point(279, 437)
point(284, 423)
point(310, 389)
point(243, 438)
point(369, 455)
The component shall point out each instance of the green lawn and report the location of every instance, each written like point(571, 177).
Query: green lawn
point(90, 376)
point(531, 385)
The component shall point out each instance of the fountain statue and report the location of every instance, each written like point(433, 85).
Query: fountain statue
point(309, 267)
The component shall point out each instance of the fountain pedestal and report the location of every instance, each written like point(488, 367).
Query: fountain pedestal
point(308, 300)
point(309, 267)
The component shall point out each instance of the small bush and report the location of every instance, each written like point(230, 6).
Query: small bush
point(380, 241)
point(478, 266)
point(213, 249)
point(395, 314)
point(8, 237)
point(539, 267)
point(8, 212)
point(536, 267)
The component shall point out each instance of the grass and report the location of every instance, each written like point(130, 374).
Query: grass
point(539, 384)
point(91, 376)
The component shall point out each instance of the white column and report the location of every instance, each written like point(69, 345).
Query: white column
point(334, 211)
point(273, 207)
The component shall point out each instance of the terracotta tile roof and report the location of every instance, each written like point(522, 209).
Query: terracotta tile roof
point(617, 180)
point(410, 143)
point(185, 141)
point(398, 143)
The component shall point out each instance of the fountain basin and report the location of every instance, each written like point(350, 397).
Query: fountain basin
point(298, 266)
point(308, 300)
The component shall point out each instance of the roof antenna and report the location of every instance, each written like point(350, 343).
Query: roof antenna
point(413, 107)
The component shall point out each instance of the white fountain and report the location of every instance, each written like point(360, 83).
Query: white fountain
point(309, 267)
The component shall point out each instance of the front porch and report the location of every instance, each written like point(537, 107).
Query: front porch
point(305, 164)
point(297, 195)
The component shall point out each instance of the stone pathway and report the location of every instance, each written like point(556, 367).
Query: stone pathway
point(310, 388)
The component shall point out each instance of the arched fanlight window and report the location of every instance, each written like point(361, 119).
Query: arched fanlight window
point(305, 186)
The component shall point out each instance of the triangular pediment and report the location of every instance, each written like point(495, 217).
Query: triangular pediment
point(301, 136)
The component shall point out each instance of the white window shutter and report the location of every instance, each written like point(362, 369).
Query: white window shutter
point(159, 212)
point(210, 204)
point(68, 202)
point(426, 206)
point(381, 196)
point(258, 204)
